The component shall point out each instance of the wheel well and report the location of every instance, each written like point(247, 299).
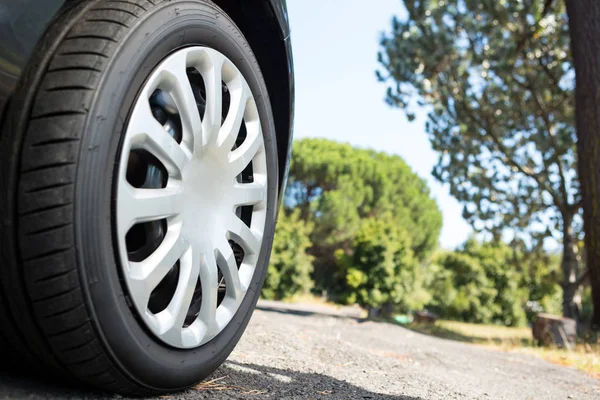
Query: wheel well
point(258, 23)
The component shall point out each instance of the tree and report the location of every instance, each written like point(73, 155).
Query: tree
point(381, 269)
point(498, 81)
point(584, 19)
point(290, 267)
point(336, 187)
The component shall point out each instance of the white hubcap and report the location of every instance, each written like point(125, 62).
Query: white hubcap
point(210, 200)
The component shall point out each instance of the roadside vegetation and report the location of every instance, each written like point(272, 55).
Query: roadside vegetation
point(360, 227)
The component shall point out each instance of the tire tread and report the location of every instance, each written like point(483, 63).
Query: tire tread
point(65, 336)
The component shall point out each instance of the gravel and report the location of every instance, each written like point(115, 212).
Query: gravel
point(316, 352)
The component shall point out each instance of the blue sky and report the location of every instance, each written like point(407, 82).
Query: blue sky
point(338, 96)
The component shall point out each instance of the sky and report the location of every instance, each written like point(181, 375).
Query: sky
point(338, 97)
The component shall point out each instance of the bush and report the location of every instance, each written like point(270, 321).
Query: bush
point(380, 268)
point(501, 265)
point(542, 274)
point(290, 266)
point(479, 283)
point(468, 293)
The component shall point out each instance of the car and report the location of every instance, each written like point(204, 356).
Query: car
point(144, 151)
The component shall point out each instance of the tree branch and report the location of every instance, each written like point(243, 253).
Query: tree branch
point(556, 156)
point(549, 128)
point(529, 87)
point(504, 151)
point(521, 43)
point(547, 71)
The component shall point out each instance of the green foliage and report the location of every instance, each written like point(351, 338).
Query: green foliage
point(587, 304)
point(381, 268)
point(358, 214)
point(336, 187)
point(469, 292)
point(541, 276)
point(484, 283)
point(499, 82)
point(290, 267)
point(494, 283)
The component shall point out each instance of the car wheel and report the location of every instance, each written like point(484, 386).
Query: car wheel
point(139, 189)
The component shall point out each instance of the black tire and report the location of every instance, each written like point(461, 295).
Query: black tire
point(63, 307)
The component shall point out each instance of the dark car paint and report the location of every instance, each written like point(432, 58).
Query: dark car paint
point(281, 12)
point(23, 23)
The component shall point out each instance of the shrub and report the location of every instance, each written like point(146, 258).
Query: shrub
point(380, 268)
point(290, 266)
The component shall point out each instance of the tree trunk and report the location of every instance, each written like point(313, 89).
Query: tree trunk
point(584, 23)
point(570, 268)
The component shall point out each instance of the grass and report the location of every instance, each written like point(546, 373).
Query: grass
point(585, 357)
point(475, 333)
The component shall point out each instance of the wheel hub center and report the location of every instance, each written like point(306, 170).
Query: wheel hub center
point(206, 197)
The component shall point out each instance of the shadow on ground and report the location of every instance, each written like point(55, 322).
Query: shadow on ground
point(231, 381)
point(256, 380)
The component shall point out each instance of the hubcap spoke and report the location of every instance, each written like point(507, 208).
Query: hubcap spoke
point(182, 179)
point(240, 232)
point(173, 78)
point(150, 272)
point(229, 269)
point(144, 205)
point(240, 94)
point(179, 306)
point(148, 134)
point(249, 194)
point(209, 278)
point(213, 77)
point(241, 157)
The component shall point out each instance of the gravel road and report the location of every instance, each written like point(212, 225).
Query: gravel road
point(313, 352)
